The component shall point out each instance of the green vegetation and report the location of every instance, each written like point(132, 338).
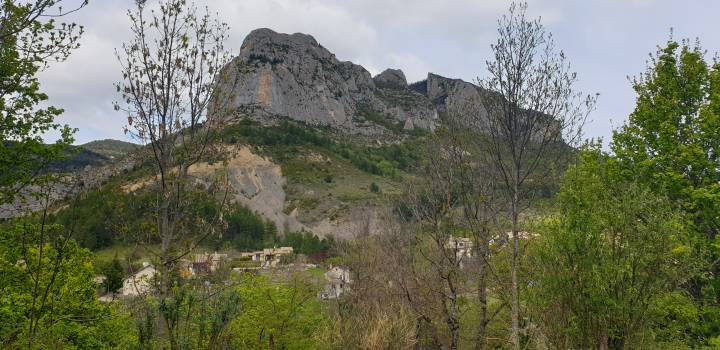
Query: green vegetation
point(48, 294)
point(622, 253)
point(286, 140)
point(107, 216)
point(635, 234)
point(381, 119)
point(27, 42)
point(622, 248)
point(285, 314)
point(306, 243)
point(247, 231)
point(110, 148)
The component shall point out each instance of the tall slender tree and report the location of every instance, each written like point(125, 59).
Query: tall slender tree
point(170, 70)
point(531, 113)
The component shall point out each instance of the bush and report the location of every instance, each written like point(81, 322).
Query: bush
point(374, 188)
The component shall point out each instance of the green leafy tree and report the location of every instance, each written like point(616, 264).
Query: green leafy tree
point(672, 137)
point(114, 274)
point(606, 258)
point(670, 142)
point(30, 38)
point(47, 294)
point(278, 315)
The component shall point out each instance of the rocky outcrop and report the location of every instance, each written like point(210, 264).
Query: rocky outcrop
point(391, 79)
point(292, 75)
point(74, 181)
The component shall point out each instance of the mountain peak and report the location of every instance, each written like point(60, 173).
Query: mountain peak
point(292, 75)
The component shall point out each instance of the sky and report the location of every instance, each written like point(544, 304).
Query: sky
point(607, 42)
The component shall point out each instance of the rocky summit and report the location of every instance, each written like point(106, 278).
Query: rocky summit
point(292, 75)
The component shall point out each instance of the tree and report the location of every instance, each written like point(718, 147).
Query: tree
point(114, 274)
point(611, 251)
point(48, 294)
point(477, 199)
point(672, 136)
point(282, 315)
point(670, 143)
point(531, 114)
point(30, 38)
point(170, 70)
point(433, 210)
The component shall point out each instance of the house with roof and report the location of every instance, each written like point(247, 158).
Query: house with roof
point(462, 247)
point(268, 257)
point(140, 282)
point(337, 281)
point(208, 263)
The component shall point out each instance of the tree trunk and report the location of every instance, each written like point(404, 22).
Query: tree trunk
point(480, 342)
point(616, 343)
point(454, 314)
point(515, 305)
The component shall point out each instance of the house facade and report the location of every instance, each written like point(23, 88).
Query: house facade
point(269, 256)
point(141, 282)
point(337, 278)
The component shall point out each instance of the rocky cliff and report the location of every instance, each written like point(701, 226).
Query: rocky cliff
point(292, 75)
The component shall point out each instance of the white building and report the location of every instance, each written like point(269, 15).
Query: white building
point(139, 283)
point(338, 279)
point(461, 246)
point(269, 256)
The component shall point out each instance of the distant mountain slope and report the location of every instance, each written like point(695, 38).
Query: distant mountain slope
point(110, 148)
point(94, 153)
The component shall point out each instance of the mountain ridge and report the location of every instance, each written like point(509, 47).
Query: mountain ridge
point(294, 76)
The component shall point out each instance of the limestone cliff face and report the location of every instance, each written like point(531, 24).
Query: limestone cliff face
point(292, 75)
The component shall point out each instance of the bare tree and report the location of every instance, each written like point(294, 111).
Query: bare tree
point(532, 115)
point(433, 211)
point(476, 191)
point(170, 69)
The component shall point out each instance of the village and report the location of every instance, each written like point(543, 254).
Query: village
point(336, 278)
point(142, 281)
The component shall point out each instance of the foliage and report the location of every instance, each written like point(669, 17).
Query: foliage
point(247, 230)
point(671, 137)
point(607, 257)
point(283, 142)
point(532, 107)
point(306, 243)
point(670, 143)
point(282, 315)
point(374, 188)
point(200, 315)
point(48, 295)
point(29, 39)
point(114, 273)
point(367, 113)
point(107, 215)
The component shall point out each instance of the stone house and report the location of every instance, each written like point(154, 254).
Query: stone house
point(337, 278)
point(140, 282)
point(208, 262)
point(268, 257)
point(462, 246)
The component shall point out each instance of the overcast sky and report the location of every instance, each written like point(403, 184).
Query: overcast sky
point(606, 40)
